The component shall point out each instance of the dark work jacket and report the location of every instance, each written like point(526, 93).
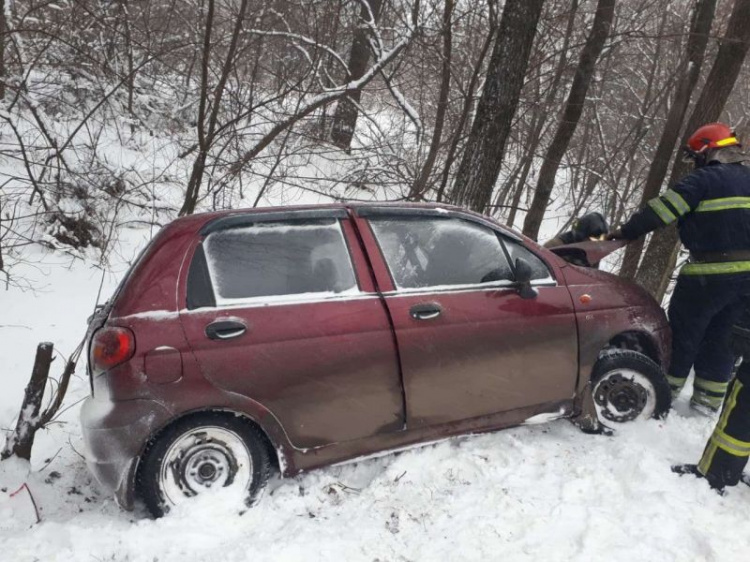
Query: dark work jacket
point(711, 206)
point(741, 334)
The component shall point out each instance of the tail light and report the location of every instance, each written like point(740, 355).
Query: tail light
point(110, 347)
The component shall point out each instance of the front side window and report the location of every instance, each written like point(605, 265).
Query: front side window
point(278, 259)
point(431, 252)
point(539, 269)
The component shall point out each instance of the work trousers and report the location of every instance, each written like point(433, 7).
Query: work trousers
point(702, 312)
point(728, 448)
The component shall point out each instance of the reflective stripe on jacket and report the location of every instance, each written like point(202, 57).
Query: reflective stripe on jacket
point(712, 209)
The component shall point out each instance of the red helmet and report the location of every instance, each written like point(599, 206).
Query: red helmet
point(713, 135)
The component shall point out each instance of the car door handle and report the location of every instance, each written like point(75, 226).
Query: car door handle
point(426, 311)
point(225, 329)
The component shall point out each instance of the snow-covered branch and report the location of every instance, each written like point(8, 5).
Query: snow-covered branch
point(329, 95)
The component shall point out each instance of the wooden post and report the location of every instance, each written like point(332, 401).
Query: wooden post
point(19, 443)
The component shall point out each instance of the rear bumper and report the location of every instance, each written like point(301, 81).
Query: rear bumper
point(115, 434)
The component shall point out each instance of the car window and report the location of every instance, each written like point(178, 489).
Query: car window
point(540, 270)
point(274, 259)
point(429, 252)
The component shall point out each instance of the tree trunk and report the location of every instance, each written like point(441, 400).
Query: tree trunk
point(345, 117)
point(660, 258)
point(125, 15)
point(465, 111)
point(196, 175)
point(483, 154)
point(420, 185)
point(194, 183)
point(207, 130)
point(21, 441)
point(539, 118)
point(2, 264)
point(605, 11)
point(3, 32)
point(695, 50)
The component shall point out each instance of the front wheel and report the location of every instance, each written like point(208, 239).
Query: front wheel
point(628, 386)
point(200, 453)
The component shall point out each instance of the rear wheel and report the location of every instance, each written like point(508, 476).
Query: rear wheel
point(201, 453)
point(629, 386)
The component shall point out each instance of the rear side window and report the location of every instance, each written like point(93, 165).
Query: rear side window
point(278, 259)
point(429, 252)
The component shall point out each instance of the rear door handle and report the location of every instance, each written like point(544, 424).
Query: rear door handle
point(225, 329)
point(425, 311)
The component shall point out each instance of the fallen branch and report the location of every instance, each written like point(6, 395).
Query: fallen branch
point(31, 497)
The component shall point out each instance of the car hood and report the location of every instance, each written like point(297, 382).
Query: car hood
point(588, 253)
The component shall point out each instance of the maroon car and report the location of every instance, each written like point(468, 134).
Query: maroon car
point(301, 337)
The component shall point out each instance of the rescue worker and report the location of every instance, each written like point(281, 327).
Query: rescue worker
point(591, 226)
point(728, 448)
point(711, 206)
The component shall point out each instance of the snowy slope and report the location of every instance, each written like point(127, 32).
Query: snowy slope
point(542, 492)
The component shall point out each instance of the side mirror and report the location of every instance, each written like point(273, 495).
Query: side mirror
point(524, 273)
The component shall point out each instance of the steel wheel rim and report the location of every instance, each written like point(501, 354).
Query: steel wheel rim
point(624, 395)
point(203, 459)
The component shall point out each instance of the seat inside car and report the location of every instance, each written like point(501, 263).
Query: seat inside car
point(326, 276)
point(448, 261)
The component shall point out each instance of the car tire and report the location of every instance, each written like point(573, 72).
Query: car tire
point(202, 451)
point(627, 385)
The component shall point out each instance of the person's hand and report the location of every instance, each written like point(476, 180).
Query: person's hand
point(616, 234)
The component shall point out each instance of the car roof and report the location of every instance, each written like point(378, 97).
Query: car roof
point(205, 217)
point(218, 220)
point(341, 205)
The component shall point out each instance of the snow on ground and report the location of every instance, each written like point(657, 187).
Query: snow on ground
point(539, 492)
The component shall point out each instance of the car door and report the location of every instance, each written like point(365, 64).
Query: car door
point(277, 312)
point(469, 344)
